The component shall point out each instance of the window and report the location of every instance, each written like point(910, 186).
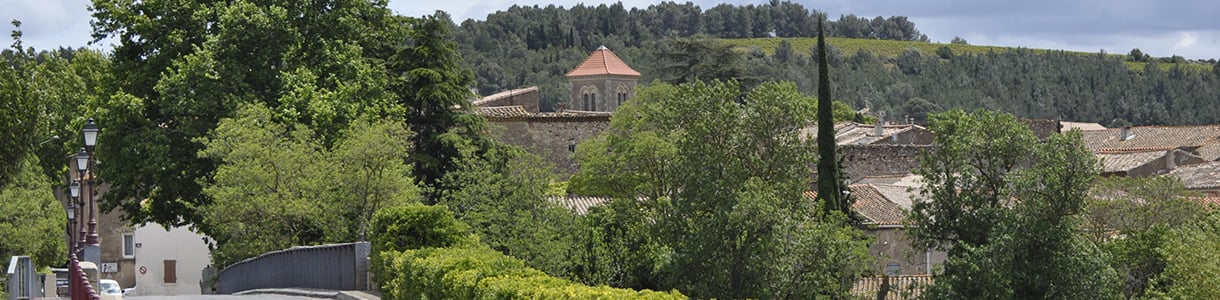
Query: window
point(585, 103)
point(129, 245)
point(171, 271)
point(594, 98)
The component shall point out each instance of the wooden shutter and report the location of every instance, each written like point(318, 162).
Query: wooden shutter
point(171, 271)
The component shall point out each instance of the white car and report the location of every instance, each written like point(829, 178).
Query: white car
point(109, 289)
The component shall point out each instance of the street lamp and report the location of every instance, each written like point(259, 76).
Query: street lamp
point(82, 166)
point(90, 132)
point(74, 191)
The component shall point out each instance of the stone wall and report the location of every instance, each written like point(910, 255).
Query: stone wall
point(554, 139)
point(527, 98)
point(892, 246)
point(860, 161)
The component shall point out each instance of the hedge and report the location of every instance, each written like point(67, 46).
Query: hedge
point(422, 252)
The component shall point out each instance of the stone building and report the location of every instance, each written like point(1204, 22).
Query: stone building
point(553, 136)
point(602, 82)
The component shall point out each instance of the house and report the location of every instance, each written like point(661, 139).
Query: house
point(167, 261)
point(1083, 126)
point(883, 208)
point(1202, 141)
point(527, 98)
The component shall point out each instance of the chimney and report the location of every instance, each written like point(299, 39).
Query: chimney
point(1125, 133)
point(879, 128)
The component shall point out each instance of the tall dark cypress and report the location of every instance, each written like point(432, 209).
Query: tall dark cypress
point(830, 183)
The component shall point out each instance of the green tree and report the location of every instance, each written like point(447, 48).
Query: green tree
point(1134, 219)
point(724, 183)
point(34, 222)
point(428, 79)
point(831, 189)
point(277, 186)
point(1008, 209)
point(20, 112)
point(1191, 271)
point(271, 189)
point(372, 172)
point(503, 196)
point(182, 66)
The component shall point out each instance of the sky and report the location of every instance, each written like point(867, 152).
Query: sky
point(1190, 28)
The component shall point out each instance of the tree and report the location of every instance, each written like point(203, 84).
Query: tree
point(831, 189)
point(278, 187)
point(34, 222)
point(1008, 209)
point(372, 173)
point(429, 80)
point(182, 66)
point(957, 40)
point(20, 113)
point(503, 196)
point(1134, 220)
point(1191, 271)
point(724, 182)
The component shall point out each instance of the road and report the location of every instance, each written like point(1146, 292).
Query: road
point(219, 297)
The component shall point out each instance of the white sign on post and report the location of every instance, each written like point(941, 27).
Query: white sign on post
point(110, 267)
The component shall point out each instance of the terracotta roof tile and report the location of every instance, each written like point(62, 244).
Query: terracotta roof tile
point(502, 112)
point(1203, 176)
point(901, 286)
point(603, 62)
point(1124, 162)
point(873, 203)
point(1154, 138)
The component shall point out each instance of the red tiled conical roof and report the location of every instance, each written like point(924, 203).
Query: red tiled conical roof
point(603, 62)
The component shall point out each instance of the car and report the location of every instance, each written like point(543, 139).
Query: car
point(109, 289)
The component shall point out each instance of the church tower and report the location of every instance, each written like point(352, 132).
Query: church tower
point(602, 82)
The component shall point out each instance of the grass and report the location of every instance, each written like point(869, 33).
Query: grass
point(891, 49)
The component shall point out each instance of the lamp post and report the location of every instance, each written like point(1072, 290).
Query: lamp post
point(82, 167)
point(90, 133)
point(74, 191)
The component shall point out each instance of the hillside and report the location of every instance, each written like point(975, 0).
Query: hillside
point(892, 48)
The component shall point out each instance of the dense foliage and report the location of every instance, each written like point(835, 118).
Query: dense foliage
point(892, 74)
point(422, 252)
point(723, 181)
point(277, 181)
point(1008, 210)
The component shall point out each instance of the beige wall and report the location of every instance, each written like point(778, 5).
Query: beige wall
point(893, 246)
point(156, 244)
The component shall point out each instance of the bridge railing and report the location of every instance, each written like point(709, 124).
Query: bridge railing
point(330, 267)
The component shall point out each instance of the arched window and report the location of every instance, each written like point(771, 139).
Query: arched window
point(588, 95)
point(623, 92)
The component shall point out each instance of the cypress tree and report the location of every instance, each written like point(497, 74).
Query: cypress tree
point(830, 183)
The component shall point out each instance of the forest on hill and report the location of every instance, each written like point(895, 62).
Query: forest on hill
point(671, 42)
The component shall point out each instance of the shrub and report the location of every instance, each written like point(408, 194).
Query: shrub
point(422, 252)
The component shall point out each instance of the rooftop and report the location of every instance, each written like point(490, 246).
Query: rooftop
point(603, 62)
point(518, 112)
point(1205, 176)
point(852, 133)
point(505, 94)
point(1201, 140)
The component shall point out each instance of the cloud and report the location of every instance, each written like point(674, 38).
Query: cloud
point(1188, 39)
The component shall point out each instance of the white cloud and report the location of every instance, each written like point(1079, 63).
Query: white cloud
point(1188, 39)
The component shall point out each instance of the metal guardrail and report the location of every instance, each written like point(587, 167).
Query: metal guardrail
point(330, 267)
point(82, 289)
